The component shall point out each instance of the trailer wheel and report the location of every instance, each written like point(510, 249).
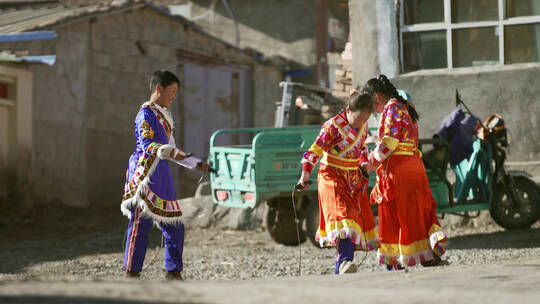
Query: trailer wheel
point(374, 206)
point(280, 223)
point(312, 220)
point(506, 214)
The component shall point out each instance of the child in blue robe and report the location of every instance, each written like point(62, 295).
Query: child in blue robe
point(149, 190)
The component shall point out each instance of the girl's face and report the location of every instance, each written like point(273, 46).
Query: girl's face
point(357, 118)
point(380, 102)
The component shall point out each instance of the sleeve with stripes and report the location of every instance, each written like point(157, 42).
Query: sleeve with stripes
point(390, 134)
point(325, 140)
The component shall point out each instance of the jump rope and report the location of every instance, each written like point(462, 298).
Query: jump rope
point(298, 187)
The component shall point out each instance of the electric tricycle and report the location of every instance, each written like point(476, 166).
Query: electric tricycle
point(481, 179)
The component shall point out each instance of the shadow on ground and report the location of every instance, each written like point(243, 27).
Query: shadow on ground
point(71, 300)
point(56, 233)
point(525, 238)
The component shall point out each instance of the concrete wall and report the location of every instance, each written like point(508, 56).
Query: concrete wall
point(285, 28)
point(374, 39)
point(511, 91)
point(118, 82)
point(58, 115)
point(16, 132)
point(363, 25)
point(277, 28)
point(267, 93)
point(387, 45)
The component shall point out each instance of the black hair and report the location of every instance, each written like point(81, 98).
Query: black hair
point(164, 78)
point(381, 84)
point(360, 101)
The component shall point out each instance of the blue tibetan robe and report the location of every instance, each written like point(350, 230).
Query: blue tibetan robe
point(149, 182)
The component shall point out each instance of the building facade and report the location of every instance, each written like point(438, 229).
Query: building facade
point(83, 106)
point(488, 50)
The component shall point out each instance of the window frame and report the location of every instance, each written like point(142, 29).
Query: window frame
point(448, 26)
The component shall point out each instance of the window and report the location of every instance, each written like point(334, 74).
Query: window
point(522, 43)
point(464, 33)
point(424, 11)
point(474, 10)
point(475, 46)
point(428, 50)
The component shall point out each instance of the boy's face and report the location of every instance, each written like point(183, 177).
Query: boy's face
point(168, 94)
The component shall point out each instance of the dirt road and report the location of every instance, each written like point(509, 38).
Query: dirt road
point(76, 257)
point(506, 282)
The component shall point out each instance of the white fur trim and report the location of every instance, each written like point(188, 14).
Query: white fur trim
point(378, 152)
point(164, 152)
point(358, 238)
point(137, 200)
point(307, 161)
point(437, 237)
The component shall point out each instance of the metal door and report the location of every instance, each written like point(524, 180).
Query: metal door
point(211, 97)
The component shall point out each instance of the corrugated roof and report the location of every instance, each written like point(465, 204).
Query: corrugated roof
point(26, 36)
point(27, 19)
point(31, 18)
point(79, 3)
point(46, 59)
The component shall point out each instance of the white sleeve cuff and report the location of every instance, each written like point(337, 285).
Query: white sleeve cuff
point(382, 152)
point(164, 152)
point(378, 155)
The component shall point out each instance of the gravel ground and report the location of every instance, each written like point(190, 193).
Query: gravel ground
point(35, 251)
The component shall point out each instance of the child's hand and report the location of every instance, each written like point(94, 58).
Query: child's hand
point(203, 167)
point(178, 154)
point(364, 170)
point(365, 166)
point(303, 181)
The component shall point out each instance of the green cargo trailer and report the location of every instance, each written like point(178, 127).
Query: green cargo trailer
point(266, 172)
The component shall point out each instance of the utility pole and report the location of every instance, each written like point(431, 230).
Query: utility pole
point(321, 34)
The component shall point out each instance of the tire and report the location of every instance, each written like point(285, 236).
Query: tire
point(279, 221)
point(506, 215)
point(312, 221)
point(374, 207)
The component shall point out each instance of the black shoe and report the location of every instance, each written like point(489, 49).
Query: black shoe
point(435, 262)
point(394, 267)
point(174, 275)
point(133, 275)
